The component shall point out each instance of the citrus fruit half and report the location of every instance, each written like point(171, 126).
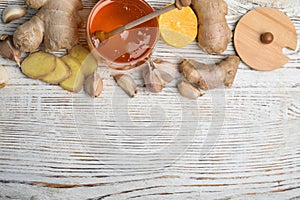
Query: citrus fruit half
point(178, 28)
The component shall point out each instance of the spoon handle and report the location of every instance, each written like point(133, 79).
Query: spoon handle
point(141, 20)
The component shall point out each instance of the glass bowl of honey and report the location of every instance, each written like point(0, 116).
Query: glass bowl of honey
point(132, 47)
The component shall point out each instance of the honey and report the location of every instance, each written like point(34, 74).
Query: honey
point(131, 47)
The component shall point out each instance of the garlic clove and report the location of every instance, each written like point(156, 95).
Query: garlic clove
point(4, 76)
point(127, 83)
point(93, 85)
point(8, 50)
point(152, 81)
point(187, 90)
point(160, 80)
point(167, 70)
point(11, 13)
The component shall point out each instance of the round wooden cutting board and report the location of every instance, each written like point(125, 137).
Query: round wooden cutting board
point(260, 37)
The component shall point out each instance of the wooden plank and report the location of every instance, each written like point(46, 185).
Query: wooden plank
point(238, 143)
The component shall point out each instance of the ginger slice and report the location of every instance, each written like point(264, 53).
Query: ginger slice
point(38, 65)
point(75, 82)
point(88, 62)
point(61, 73)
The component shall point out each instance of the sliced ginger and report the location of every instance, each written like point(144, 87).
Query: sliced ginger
point(75, 82)
point(86, 59)
point(38, 65)
point(178, 28)
point(61, 73)
point(69, 71)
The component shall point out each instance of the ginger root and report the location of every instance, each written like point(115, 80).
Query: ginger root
point(213, 33)
point(182, 3)
point(210, 76)
point(56, 23)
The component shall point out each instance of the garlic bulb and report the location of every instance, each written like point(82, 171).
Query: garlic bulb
point(168, 71)
point(158, 74)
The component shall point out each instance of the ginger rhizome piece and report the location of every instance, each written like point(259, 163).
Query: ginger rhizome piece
point(210, 76)
point(56, 24)
point(214, 33)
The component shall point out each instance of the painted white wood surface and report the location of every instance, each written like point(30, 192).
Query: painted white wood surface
point(238, 143)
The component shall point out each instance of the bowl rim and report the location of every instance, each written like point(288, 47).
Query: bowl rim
point(111, 63)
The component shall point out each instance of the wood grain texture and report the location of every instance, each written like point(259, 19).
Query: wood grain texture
point(250, 46)
point(237, 143)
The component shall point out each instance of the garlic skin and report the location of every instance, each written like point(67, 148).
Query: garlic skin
point(127, 83)
point(158, 74)
point(4, 77)
point(152, 81)
point(93, 85)
point(8, 49)
point(187, 90)
point(11, 13)
point(167, 71)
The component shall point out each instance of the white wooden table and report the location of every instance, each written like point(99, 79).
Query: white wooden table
point(238, 143)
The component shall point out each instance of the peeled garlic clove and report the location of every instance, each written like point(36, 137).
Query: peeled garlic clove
point(4, 77)
point(93, 85)
point(168, 71)
point(188, 90)
point(8, 50)
point(152, 81)
point(127, 83)
point(11, 13)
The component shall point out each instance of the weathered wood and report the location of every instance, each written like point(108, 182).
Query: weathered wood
point(237, 143)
